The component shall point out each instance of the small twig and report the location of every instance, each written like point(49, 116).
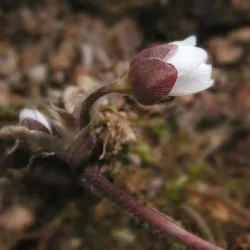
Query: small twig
point(104, 148)
point(110, 109)
point(199, 221)
point(146, 213)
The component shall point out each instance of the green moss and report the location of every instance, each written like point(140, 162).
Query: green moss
point(174, 187)
point(8, 113)
point(183, 140)
point(177, 246)
point(196, 171)
point(143, 150)
point(234, 183)
point(158, 129)
point(142, 201)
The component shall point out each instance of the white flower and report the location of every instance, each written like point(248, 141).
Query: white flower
point(172, 69)
point(35, 115)
point(194, 75)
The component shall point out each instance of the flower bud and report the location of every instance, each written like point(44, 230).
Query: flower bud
point(151, 80)
point(173, 69)
point(34, 120)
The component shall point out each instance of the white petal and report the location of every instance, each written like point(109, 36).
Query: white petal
point(193, 82)
point(191, 41)
point(187, 58)
point(35, 115)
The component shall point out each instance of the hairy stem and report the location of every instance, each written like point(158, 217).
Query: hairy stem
point(160, 222)
point(119, 86)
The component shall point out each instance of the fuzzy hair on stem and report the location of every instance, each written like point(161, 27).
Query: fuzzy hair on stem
point(34, 141)
point(160, 222)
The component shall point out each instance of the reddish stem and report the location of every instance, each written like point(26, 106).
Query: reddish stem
point(86, 107)
point(148, 214)
point(118, 86)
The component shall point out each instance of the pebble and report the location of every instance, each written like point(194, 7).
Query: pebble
point(86, 51)
point(38, 73)
point(86, 83)
point(8, 59)
point(240, 35)
point(127, 133)
point(224, 52)
point(59, 62)
point(28, 19)
point(243, 98)
point(124, 235)
point(30, 56)
point(70, 98)
point(4, 94)
point(55, 96)
point(17, 218)
point(128, 36)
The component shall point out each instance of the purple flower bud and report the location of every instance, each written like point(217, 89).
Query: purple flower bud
point(173, 69)
point(151, 80)
point(34, 120)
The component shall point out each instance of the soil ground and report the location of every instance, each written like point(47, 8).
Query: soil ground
point(188, 158)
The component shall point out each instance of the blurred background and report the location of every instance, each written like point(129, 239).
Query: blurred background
point(189, 158)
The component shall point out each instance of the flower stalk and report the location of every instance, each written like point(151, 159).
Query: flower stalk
point(157, 73)
point(160, 222)
point(118, 86)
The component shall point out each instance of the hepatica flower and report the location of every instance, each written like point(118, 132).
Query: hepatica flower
point(173, 69)
point(34, 120)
